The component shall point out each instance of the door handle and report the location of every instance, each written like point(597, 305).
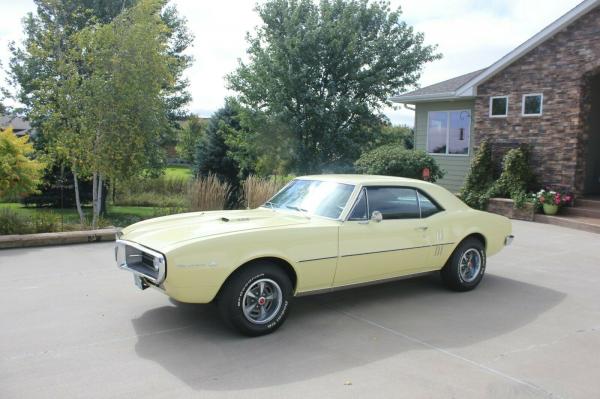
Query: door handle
point(422, 228)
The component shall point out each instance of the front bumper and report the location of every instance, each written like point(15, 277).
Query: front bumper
point(143, 262)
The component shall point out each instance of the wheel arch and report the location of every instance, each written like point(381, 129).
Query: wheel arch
point(280, 262)
point(477, 236)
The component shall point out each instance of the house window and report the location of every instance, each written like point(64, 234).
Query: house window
point(498, 106)
point(532, 104)
point(448, 132)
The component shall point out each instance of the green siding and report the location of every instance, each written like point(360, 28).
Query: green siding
point(456, 166)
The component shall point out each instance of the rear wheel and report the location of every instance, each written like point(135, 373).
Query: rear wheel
point(255, 300)
point(466, 267)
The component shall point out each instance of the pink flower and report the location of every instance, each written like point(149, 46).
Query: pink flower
point(542, 199)
point(557, 201)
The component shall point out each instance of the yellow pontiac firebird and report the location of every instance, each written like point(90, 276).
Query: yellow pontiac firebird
point(318, 234)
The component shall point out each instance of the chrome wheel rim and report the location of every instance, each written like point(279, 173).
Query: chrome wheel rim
point(470, 265)
point(262, 301)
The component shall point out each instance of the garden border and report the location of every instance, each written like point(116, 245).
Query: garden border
point(506, 207)
point(62, 238)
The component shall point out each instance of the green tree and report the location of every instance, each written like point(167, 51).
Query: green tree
point(262, 145)
point(19, 175)
point(326, 71)
point(390, 134)
point(189, 136)
point(47, 39)
point(212, 153)
point(112, 93)
point(481, 177)
point(45, 77)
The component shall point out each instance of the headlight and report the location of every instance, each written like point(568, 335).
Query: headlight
point(158, 262)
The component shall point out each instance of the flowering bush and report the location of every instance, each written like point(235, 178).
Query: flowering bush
point(552, 197)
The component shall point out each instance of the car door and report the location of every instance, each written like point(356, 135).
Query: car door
point(399, 244)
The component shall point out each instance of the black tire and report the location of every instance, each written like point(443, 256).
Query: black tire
point(232, 296)
point(451, 274)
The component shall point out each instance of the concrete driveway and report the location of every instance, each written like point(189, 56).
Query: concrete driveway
point(72, 325)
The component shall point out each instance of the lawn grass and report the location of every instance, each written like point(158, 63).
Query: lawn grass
point(119, 216)
point(179, 171)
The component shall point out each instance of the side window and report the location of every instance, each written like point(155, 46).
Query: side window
point(359, 212)
point(428, 207)
point(394, 202)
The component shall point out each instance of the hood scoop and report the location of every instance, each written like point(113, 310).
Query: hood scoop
point(224, 219)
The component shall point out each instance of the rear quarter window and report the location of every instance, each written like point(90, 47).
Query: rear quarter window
point(428, 206)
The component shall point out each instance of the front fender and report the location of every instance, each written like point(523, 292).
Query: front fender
point(197, 270)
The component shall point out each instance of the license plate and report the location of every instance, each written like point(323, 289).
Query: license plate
point(141, 284)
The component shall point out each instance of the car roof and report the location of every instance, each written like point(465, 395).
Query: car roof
point(440, 194)
point(364, 179)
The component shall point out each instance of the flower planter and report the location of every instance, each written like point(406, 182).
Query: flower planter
point(551, 200)
point(506, 207)
point(550, 209)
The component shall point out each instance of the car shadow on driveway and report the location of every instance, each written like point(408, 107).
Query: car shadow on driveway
point(329, 333)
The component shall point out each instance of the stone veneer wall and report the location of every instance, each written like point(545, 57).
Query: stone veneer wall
point(559, 68)
point(506, 207)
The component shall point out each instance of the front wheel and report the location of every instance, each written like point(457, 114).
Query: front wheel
point(465, 268)
point(255, 300)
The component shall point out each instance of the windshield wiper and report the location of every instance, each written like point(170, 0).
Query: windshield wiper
point(301, 210)
point(269, 204)
point(296, 208)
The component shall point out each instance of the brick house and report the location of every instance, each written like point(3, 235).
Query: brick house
point(545, 93)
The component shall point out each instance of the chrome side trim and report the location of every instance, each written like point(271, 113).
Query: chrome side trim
point(315, 259)
point(162, 269)
point(395, 250)
point(365, 284)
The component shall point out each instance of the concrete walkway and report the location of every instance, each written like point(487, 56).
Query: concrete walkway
point(72, 325)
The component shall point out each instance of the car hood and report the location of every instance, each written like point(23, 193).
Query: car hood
point(164, 232)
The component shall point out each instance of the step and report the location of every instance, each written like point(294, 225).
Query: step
point(588, 202)
point(591, 225)
point(585, 211)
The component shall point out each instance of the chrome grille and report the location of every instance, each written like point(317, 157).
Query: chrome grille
point(148, 260)
point(141, 261)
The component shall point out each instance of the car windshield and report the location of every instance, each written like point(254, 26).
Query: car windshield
point(313, 197)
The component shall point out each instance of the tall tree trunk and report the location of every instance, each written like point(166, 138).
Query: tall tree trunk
point(99, 207)
point(94, 200)
point(77, 200)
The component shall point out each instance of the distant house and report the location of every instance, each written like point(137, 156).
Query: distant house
point(19, 125)
point(545, 93)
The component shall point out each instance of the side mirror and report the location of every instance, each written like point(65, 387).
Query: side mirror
point(376, 216)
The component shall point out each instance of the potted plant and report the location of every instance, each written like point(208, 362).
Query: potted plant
point(551, 200)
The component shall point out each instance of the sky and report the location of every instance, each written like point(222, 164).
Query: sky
point(470, 34)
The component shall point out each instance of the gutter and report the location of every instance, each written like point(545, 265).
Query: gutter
point(447, 96)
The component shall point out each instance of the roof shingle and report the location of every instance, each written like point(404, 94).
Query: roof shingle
point(447, 86)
